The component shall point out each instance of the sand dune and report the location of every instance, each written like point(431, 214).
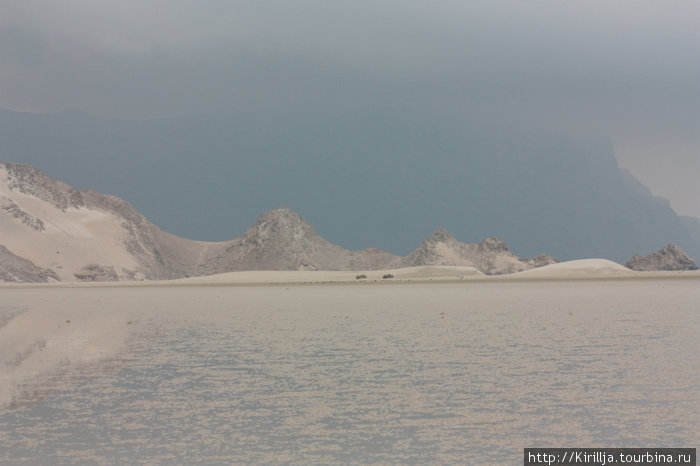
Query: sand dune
point(579, 268)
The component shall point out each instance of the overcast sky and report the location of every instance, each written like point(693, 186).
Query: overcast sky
point(624, 69)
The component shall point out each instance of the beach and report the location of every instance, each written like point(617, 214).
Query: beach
point(446, 371)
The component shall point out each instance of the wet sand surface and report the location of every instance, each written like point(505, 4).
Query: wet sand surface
point(465, 373)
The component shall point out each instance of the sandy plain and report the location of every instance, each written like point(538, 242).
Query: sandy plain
point(439, 364)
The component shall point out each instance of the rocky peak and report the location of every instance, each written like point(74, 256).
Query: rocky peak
point(31, 181)
point(280, 224)
point(440, 248)
point(440, 236)
point(541, 260)
point(493, 244)
point(281, 215)
point(670, 257)
point(672, 249)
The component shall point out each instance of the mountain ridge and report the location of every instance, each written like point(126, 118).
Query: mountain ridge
point(52, 231)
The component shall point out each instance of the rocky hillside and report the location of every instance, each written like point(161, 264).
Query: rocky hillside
point(282, 240)
point(51, 231)
point(17, 269)
point(491, 256)
point(85, 235)
point(670, 257)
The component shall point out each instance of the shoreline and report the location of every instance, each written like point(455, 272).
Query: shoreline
point(406, 276)
point(54, 339)
point(53, 334)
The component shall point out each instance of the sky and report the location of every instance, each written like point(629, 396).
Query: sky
point(627, 70)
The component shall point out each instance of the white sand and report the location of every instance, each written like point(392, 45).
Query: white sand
point(71, 239)
point(584, 269)
point(465, 370)
point(441, 273)
point(576, 268)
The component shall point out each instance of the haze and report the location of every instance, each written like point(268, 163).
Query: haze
point(624, 70)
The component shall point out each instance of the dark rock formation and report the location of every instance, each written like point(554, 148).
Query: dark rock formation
point(493, 245)
point(31, 181)
point(540, 260)
point(670, 257)
point(8, 205)
point(97, 273)
point(17, 269)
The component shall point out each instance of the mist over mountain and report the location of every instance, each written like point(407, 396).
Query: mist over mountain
point(385, 178)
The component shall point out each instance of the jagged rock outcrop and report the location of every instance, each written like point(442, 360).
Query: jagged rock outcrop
point(8, 205)
point(492, 256)
point(282, 240)
point(493, 245)
point(18, 269)
point(97, 273)
point(540, 260)
point(440, 248)
point(31, 181)
point(670, 257)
